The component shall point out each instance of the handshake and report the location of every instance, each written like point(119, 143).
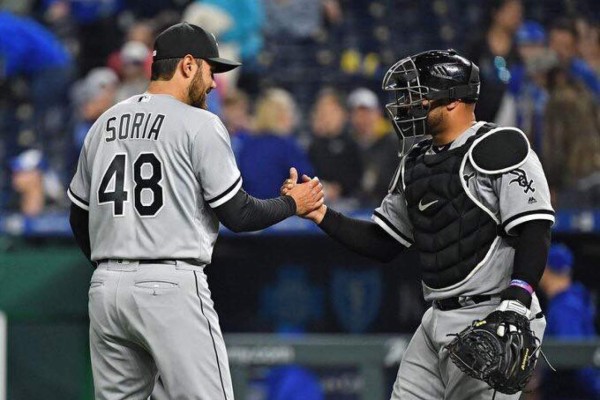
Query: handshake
point(308, 195)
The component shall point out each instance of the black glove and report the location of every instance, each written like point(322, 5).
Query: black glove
point(500, 349)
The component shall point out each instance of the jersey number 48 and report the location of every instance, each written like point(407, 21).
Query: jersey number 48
point(117, 193)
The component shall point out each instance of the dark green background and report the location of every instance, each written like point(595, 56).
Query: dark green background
point(44, 295)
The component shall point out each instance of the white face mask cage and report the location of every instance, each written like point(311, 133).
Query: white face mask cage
point(412, 101)
point(408, 109)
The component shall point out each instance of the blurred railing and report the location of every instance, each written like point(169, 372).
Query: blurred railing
point(370, 353)
point(57, 223)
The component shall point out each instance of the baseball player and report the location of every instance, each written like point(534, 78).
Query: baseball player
point(473, 199)
point(155, 176)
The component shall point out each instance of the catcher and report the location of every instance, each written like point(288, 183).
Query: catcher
point(473, 199)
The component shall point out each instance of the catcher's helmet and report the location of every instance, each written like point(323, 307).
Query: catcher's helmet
point(431, 75)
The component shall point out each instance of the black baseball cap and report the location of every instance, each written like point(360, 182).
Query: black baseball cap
point(182, 39)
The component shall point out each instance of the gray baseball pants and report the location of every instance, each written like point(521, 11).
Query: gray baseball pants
point(148, 319)
point(426, 371)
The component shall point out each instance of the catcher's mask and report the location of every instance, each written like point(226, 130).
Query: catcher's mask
point(417, 81)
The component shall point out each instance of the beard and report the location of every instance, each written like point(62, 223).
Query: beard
point(197, 93)
point(434, 124)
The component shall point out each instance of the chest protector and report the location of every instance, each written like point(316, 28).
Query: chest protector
point(451, 232)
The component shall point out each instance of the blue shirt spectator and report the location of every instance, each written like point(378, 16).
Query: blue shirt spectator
point(29, 50)
point(26, 47)
point(570, 315)
point(86, 11)
point(531, 93)
point(265, 157)
point(265, 161)
point(585, 74)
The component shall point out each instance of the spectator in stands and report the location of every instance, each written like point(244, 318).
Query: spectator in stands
point(92, 96)
point(133, 76)
point(245, 32)
point(237, 118)
point(570, 315)
point(571, 142)
point(268, 154)
point(564, 42)
point(496, 55)
point(291, 45)
point(589, 42)
point(533, 96)
point(159, 9)
point(139, 32)
point(35, 184)
point(217, 20)
point(98, 29)
point(378, 146)
point(333, 151)
point(30, 51)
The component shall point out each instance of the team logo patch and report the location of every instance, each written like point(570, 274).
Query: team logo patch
point(522, 180)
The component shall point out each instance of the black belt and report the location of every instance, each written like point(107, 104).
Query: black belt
point(167, 261)
point(452, 303)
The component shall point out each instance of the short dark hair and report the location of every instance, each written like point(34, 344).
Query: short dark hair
point(163, 70)
point(565, 24)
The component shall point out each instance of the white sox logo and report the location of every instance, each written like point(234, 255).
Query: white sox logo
point(522, 180)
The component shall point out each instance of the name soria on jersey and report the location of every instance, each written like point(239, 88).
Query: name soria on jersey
point(134, 126)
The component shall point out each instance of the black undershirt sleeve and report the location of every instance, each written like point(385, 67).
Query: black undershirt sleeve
point(364, 237)
point(79, 220)
point(531, 253)
point(244, 213)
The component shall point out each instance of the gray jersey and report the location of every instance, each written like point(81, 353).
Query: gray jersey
point(511, 198)
point(150, 172)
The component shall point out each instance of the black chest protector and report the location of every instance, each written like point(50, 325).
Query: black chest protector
point(451, 232)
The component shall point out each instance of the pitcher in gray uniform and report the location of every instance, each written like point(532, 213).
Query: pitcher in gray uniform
point(155, 176)
point(473, 199)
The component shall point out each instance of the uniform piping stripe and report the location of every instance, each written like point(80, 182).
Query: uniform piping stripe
point(78, 198)
point(515, 220)
point(523, 214)
point(405, 240)
point(211, 335)
point(81, 203)
point(226, 192)
point(461, 172)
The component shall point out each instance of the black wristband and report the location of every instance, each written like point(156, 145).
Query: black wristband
point(331, 221)
point(517, 293)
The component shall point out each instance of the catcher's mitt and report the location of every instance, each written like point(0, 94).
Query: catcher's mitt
point(500, 350)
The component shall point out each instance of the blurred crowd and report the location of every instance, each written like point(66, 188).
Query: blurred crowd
point(308, 92)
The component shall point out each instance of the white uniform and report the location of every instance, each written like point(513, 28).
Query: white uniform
point(512, 198)
point(150, 172)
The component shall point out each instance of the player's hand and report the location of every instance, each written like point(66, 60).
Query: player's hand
point(308, 196)
point(516, 307)
point(316, 215)
point(289, 183)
